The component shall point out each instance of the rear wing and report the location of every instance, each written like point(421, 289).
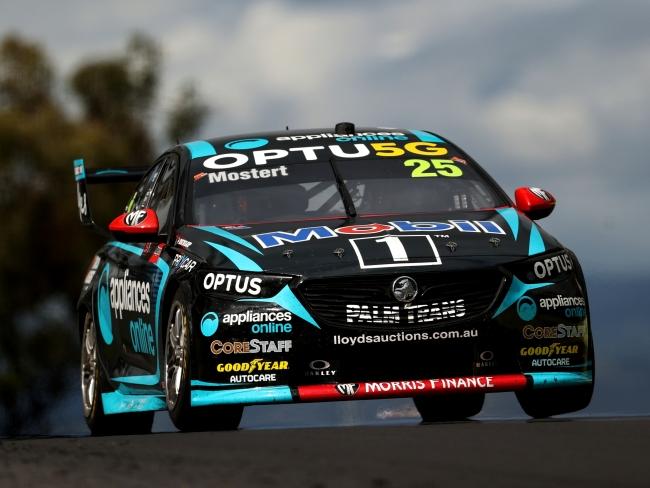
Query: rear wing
point(84, 176)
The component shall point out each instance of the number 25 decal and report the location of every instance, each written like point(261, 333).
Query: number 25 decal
point(395, 251)
point(425, 168)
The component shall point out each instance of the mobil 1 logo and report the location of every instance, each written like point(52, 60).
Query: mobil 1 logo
point(395, 251)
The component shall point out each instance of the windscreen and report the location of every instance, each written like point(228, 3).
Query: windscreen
point(285, 190)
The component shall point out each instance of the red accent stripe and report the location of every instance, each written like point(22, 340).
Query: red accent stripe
point(392, 389)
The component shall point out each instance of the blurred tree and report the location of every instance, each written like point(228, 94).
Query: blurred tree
point(187, 115)
point(25, 76)
point(44, 251)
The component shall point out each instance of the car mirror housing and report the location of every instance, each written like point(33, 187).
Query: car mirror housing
point(534, 202)
point(137, 226)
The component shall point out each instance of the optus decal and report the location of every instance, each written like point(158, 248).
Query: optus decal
point(312, 153)
point(553, 266)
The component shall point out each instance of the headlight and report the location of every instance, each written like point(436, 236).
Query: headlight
point(235, 285)
point(552, 267)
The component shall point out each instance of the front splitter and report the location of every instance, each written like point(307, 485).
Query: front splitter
point(386, 389)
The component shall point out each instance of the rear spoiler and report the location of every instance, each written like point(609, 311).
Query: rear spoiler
point(85, 176)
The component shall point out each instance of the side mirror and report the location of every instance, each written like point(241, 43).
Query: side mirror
point(535, 203)
point(136, 226)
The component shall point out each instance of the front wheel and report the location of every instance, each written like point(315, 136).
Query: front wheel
point(92, 386)
point(439, 408)
point(178, 377)
point(544, 403)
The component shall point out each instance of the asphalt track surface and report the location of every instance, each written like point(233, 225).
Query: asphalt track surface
point(576, 453)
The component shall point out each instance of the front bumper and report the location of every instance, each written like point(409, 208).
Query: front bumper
point(203, 394)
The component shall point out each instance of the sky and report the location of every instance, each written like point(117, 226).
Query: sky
point(549, 93)
point(554, 94)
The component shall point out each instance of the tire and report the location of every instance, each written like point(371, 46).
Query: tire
point(449, 407)
point(178, 377)
point(93, 384)
point(545, 403)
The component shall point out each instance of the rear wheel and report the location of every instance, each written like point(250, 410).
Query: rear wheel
point(178, 377)
point(449, 407)
point(92, 386)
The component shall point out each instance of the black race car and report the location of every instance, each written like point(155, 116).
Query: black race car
point(321, 265)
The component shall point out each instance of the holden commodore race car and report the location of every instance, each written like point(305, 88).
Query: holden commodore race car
point(320, 265)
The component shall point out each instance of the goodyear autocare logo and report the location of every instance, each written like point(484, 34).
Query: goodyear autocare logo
point(131, 295)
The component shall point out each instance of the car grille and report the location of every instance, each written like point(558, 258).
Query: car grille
point(329, 299)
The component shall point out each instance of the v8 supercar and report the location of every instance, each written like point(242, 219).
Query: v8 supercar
point(308, 266)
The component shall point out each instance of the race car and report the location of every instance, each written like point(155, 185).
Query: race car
point(324, 265)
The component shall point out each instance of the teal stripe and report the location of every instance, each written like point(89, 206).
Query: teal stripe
point(287, 300)
point(552, 380)
point(148, 380)
point(425, 136)
point(517, 290)
point(242, 262)
point(116, 402)
point(206, 383)
point(111, 172)
point(200, 149)
point(535, 244)
point(229, 235)
point(79, 163)
point(261, 394)
point(512, 219)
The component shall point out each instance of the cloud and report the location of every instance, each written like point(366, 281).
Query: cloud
point(546, 93)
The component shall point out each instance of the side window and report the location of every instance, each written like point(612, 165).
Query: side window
point(142, 195)
point(163, 196)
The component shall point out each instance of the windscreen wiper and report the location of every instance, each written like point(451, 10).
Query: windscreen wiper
point(348, 204)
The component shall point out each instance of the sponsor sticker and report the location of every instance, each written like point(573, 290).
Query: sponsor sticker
point(136, 217)
point(254, 346)
point(553, 266)
point(412, 387)
point(559, 331)
point(342, 340)
point(406, 313)
point(561, 301)
point(554, 349)
point(434, 229)
point(232, 283)
point(252, 174)
point(550, 362)
point(131, 295)
point(320, 367)
point(142, 337)
point(183, 263)
point(253, 366)
point(258, 318)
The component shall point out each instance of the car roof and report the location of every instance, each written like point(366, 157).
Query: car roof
point(270, 139)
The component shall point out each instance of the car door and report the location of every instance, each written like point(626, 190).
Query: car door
point(143, 333)
point(130, 282)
